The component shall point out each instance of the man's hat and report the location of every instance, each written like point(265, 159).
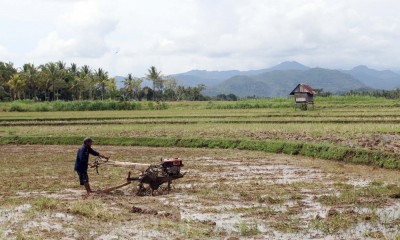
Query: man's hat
point(87, 139)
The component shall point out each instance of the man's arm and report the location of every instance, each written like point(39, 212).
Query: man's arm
point(95, 153)
point(102, 156)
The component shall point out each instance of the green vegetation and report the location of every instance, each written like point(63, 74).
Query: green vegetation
point(350, 155)
point(55, 81)
point(357, 196)
point(248, 229)
point(91, 209)
point(330, 105)
point(390, 94)
point(336, 130)
point(30, 106)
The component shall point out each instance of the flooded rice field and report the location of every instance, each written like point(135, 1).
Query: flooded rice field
point(226, 194)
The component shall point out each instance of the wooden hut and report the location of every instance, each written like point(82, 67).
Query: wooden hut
point(303, 96)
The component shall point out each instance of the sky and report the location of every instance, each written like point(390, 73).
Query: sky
point(129, 36)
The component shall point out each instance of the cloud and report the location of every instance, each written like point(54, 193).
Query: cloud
point(130, 35)
point(80, 33)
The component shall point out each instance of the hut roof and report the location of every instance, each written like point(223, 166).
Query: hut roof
point(303, 88)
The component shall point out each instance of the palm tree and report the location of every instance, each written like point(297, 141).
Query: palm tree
point(51, 73)
point(132, 86)
point(62, 79)
point(128, 86)
point(17, 85)
point(156, 77)
point(87, 81)
point(6, 72)
point(111, 87)
point(30, 75)
point(74, 81)
point(102, 79)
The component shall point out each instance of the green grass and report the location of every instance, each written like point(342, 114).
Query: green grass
point(91, 209)
point(45, 203)
point(375, 190)
point(329, 152)
point(273, 103)
point(334, 131)
point(30, 106)
point(248, 229)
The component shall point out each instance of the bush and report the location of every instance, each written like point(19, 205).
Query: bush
point(30, 106)
point(17, 108)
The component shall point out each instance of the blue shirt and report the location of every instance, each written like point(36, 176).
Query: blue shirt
point(82, 158)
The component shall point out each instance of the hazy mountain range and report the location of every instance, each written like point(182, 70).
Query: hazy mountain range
point(279, 80)
point(282, 78)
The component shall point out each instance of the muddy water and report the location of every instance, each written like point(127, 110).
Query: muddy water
point(271, 173)
point(276, 194)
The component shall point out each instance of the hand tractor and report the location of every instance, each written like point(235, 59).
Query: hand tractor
point(152, 176)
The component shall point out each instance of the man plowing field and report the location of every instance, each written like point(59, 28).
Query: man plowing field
point(152, 176)
point(82, 162)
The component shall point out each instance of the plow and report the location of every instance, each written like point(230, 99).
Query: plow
point(151, 176)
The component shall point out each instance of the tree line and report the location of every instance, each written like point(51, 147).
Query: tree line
point(58, 81)
point(389, 94)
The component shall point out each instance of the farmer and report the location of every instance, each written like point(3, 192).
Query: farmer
point(82, 162)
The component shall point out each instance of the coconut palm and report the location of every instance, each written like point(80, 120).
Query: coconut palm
point(6, 72)
point(17, 86)
point(50, 74)
point(74, 81)
point(111, 87)
point(128, 86)
point(132, 86)
point(101, 77)
point(30, 75)
point(87, 82)
point(155, 76)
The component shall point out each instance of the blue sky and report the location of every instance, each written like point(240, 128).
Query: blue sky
point(125, 36)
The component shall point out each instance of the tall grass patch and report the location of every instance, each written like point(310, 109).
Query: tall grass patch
point(56, 106)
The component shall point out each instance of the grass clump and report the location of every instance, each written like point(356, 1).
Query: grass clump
point(91, 209)
point(376, 191)
point(45, 203)
point(248, 229)
point(188, 229)
point(337, 221)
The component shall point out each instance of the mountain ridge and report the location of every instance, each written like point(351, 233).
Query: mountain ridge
point(339, 80)
point(277, 81)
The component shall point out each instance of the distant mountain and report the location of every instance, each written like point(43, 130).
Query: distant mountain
point(280, 83)
point(279, 80)
point(210, 78)
point(375, 79)
point(288, 66)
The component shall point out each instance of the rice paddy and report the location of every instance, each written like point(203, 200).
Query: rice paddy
point(256, 169)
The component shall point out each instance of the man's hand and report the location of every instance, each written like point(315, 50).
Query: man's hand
point(92, 165)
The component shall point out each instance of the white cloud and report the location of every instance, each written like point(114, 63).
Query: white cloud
point(125, 36)
point(80, 33)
